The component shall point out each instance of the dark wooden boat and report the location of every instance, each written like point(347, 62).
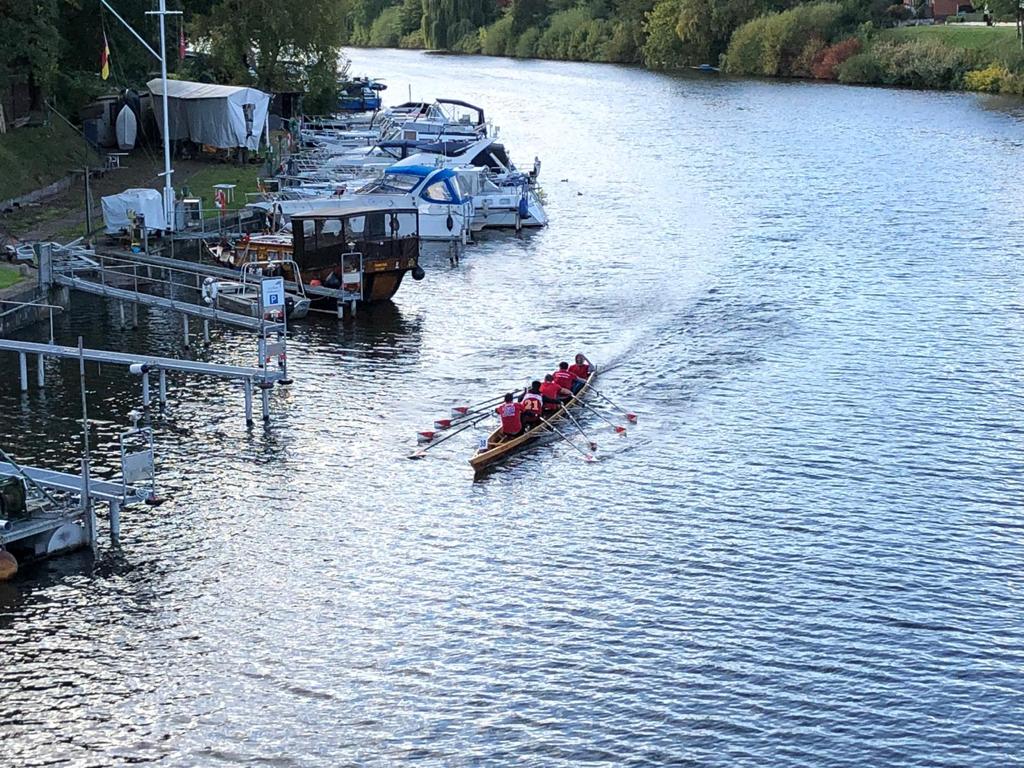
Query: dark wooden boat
point(499, 447)
point(363, 252)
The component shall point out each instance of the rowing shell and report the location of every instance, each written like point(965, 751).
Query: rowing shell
point(499, 446)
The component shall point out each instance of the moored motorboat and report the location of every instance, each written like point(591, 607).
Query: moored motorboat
point(499, 446)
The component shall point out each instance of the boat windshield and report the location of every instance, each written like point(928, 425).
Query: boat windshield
point(392, 183)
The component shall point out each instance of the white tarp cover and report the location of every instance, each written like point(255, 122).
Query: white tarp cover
point(148, 202)
point(223, 116)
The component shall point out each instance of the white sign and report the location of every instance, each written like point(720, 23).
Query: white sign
point(272, 290)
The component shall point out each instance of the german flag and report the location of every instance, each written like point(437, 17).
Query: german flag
point(105, 59)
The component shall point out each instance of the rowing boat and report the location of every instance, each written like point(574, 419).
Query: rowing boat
point(499, 446)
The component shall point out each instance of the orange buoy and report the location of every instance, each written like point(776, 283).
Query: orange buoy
point(8, 565)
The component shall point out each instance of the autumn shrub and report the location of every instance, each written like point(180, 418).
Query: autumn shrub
point(776, 44)
point(828, 61)
point(990, 79)
point(812, 51)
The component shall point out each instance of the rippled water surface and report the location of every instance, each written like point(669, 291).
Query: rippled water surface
point(807, 553)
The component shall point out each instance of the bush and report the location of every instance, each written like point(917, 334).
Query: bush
point(813, 50)
point(626, 43)
point(526, 46)
point(386, 30)
point(663, 48)
point(566, 35)
point(922, 63)
point(497, 39)
point(827, 64)
point(413, 40)
point(468, 43)
point(860, 68)
point(990, 79)
point(776, 44)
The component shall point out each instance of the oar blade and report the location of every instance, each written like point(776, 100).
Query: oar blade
point(620, 429)
point(442, 423)
point(417, 454)
point(459, 410)
point(631, 417)
point(424, 437)
point(589, 458)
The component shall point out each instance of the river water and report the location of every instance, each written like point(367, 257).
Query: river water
point(806, 553)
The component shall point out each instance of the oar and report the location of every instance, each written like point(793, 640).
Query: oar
point(419, 454)
point(462, 412)
point(593, 445)
point(628, 414)
point(586, 456)
point(617, 427)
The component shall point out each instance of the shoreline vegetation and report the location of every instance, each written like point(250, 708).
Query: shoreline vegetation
point(853, 41)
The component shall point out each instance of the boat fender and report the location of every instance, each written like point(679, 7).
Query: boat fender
point(332, 281)
point(8, 565)
point(418, 273)
point(450, 222)
point(524, 208)
point(289, 305)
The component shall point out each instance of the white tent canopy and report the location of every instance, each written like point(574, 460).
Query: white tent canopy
point(223, 116)
point(148, 202)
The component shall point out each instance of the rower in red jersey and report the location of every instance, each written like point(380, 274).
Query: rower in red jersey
point(511, 420)
point(562, 377)
point(533, 405)
point(581, 371)
point(553, 394)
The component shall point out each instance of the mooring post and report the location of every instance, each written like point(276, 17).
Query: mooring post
point(135, 314)
point(163, 388)
point(115, 522)
point(145, 389)
point(206, 331)
point(23, 362)
point(185, 326)
point(248, 402)
point(41, 372)
point(88, 508)
point(265, 396)
point(120, 307)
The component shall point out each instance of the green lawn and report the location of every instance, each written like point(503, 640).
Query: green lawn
point(200, 183)
point(31, 158)
point(996, 43)
point(8, 276)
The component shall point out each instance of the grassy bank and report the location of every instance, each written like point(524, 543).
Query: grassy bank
point(31, 158)
point(8, 276)
point(991, 43)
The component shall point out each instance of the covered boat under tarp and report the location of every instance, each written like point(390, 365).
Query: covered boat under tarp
point(222, 116)
point(148, 202)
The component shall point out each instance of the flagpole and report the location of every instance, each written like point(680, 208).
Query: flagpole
point(168, 186)
point(162, 13)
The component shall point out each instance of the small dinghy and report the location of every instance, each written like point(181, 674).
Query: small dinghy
point(126, 129)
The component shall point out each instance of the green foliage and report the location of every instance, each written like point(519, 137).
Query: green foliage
point(526, 46)
point(413, 40)
point(922, 64)
point(386, 30)
point(777, 44)
point(861, 68)
point(447, 22)
point(497, 39)
point(663, 48)
point(526, 14)
point(626, 43)
point(574, 35)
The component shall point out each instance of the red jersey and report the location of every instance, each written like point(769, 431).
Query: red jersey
point(563, 378)
point(511, 423)
point(580, 370)
point(533, 404)
point(550, 391)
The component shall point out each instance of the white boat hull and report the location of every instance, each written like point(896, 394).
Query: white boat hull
point(126, 129)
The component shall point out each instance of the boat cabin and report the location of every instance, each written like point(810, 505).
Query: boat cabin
point(364, 251)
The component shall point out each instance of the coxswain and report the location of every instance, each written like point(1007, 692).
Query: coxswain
point(562, 376)
point(581, 370)
point(533, 405)
point(553, 394)
point(511, 421)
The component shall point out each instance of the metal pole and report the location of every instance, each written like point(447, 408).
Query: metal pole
point(265, 395)
point(88, 203)
point(206, 331)
point(248, 402)
point(168, 188)
point(115, 522)
point(163, 387)
point(90, 519)
point(145, 390)
point(120, 307)
point(185, 324)
point(23, 364)
point(41, 372)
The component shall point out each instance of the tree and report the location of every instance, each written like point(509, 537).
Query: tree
point(29, 45)
point(270, 42)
